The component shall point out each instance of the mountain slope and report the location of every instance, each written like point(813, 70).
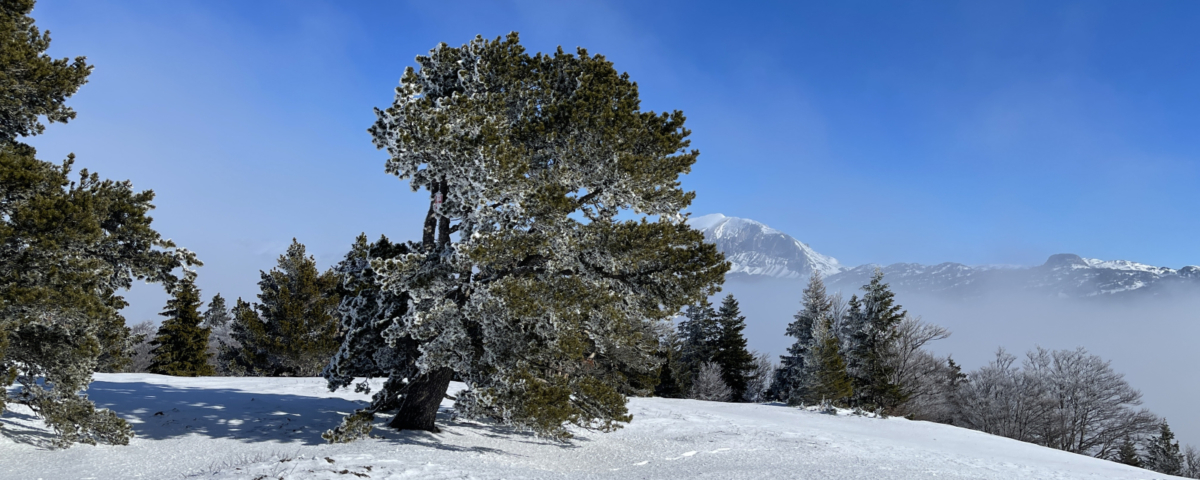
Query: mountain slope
point(240, 428)
point(755, 249)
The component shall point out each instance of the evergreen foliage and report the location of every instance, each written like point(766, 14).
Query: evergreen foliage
point(292, 331)
point(699, 332)
point(796, 371)
point(1128, 454)
point(736, 362)
point(218, 321)
point(671, 370)
point(31, 83)
point(66, 249)
point(830, 382)
point(545, 303)
point(872, 338)
point(1162, 452)
point(181, 346)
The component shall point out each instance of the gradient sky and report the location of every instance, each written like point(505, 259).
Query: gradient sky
point(976, 132)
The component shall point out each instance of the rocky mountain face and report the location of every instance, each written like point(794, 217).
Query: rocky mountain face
point(755, 249)
point(760, 252)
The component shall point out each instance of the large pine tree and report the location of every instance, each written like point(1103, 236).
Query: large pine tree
point(181, 346)
point(295, 331)
point(69, 243)
point(526, 283)
point(699, 332)
point(736, 362)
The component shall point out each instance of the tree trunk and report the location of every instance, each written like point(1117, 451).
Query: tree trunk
point(418, 410)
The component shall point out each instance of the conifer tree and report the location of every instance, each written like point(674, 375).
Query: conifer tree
point(795, 370)
point(181, 346)
point(1162, 452)
point(217, 320)
point(295, 331)
point(875, 331)
point(67, 248)
point(1128, 454)
point(699, 333)
point(830, 382)
point(526, 284)
point(736, 362)
point(670, 383)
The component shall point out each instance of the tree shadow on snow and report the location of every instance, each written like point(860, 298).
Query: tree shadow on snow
point(159, 412)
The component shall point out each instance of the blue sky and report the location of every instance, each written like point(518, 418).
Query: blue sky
point(976, 132)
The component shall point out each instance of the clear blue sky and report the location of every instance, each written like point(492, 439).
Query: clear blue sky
point(976, 132)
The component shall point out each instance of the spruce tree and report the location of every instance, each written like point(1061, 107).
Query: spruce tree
point(218, 320)
point(795, 370)
point(736, 362)
point(181, 346)
point(829, 379)
point(670, 383)
point(1162, 452)
point(68, 246)
point(528, 283)
point(876, 322)
point(1128, 454)
point(699, 333)
point(295, 331)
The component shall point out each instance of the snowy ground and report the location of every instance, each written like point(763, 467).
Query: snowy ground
point(266, 428)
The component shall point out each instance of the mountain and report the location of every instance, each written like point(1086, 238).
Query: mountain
point(761, 252)
point(756, 250)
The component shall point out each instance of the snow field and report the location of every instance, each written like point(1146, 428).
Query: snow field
point(267, 428)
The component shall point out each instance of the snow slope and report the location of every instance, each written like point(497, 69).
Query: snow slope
point(227, 428)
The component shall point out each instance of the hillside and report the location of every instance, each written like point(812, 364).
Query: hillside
point(226, 428)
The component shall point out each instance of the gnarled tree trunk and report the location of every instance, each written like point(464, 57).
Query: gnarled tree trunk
point(418, 410)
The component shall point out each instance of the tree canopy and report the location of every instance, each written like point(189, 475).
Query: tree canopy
point(526, 284)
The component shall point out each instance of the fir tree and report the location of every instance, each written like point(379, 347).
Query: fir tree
point(736, 362)
point(1162, 452)
point(217, 320)
point(829, 379)
point(295, 331)
point(181, 346)
point(670, 383)
point(1128, 454)
point(873, 336)
point(526, 284)
point(699, 333)
point(795, 370)
point(67, 248)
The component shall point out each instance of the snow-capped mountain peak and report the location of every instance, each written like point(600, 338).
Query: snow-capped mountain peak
point(756, 249)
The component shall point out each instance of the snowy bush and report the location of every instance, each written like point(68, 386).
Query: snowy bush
point(708, 384)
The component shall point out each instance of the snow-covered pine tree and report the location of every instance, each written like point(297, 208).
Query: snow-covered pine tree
point(709, 384)
point(795, 370)
point(181, 345)
point(217, 320)
point(829, 382)
point(737, 364)
point(67, 248)
point(367, 312)
point(873, 332)
point(1128, 453)
point(544, 301)
point(295, 331)
point(1162, 452)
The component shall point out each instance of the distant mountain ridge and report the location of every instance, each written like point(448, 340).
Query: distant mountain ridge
point(757, 251)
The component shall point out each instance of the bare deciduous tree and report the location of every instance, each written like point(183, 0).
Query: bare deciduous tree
point(1064, 399)
point(140, 360)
